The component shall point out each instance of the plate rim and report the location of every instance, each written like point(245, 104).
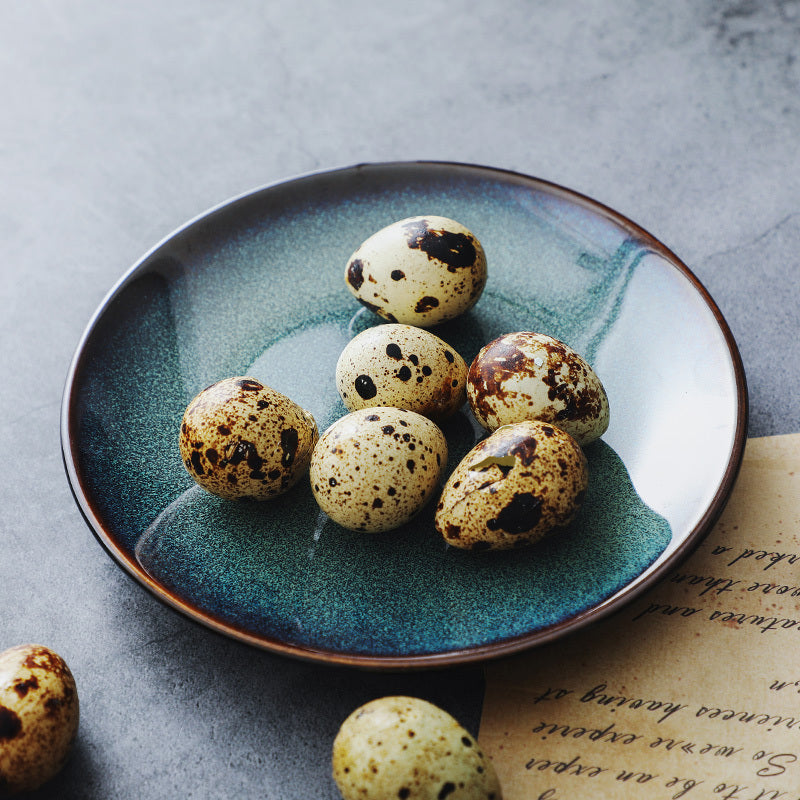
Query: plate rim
point(412, 661)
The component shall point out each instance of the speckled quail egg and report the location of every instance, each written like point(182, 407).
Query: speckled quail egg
point(402, 366)
point(420, 271)
point(38, 717)
point(408, 748)
point(241, 439)
point(513, 488)
point(374, 469)
point(527, 375)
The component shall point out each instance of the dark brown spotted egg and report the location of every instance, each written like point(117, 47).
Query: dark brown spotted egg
point(513, 488)
point(405, 747)
point(240, 438)
point(374, 469)
point(38, 717)
point(419, 271)
point(527, 375)
point(402, 366)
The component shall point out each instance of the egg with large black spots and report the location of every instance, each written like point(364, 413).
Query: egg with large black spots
point(513, 488)
point(374, 469)
point(402, 366)
point(242, 439)
point(408, 748)
point(418, 271)
point(39, 713)
point(527, 375)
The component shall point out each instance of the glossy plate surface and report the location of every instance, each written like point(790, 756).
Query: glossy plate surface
point(256, 287)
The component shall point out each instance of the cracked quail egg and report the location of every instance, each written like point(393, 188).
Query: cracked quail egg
point(374, 469)
point(240, 438)
point(38, 717)
point(402, 366)
point(526, 375)
point(513, 488)
point(408, 748)
point(419, 271)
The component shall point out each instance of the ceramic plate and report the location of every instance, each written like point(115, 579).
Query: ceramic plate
point(256, 287)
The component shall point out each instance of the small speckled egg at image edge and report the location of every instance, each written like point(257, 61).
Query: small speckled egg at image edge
point(408, 748)
point(39, 713)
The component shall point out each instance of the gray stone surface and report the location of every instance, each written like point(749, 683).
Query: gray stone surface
point(121, 121)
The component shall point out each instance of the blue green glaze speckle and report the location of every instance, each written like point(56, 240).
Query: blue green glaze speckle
point(257, 288)
point(312, 583)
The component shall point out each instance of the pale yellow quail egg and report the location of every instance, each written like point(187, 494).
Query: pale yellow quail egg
point(241, 439)
point(513, 488)
point(420, 271)
point(402, 366)
point(408, 748)
point(38, 717)
point(527, 375)
point(374, 469)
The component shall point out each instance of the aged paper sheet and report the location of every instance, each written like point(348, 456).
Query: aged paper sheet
point(691, 692)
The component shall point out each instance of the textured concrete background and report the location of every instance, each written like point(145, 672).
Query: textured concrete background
point(121, 121)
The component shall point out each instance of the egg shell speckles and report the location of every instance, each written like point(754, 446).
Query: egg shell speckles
point(513, 488)
point(408, 748)
point(38, 717)
point(420, 271)
point(402, 366)
point(527, 375)
point(374, 469)
point(241, 439)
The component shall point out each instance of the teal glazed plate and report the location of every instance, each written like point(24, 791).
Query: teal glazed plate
point(255, 287)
